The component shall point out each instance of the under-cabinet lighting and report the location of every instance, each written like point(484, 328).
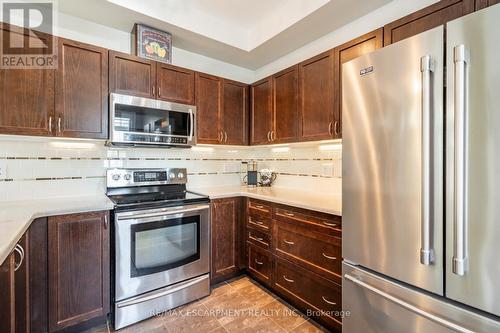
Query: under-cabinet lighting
point(203, 149)
point(280, 149)
point(72, 145)
point(332, 147)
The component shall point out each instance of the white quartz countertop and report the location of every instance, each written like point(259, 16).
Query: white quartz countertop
point(317, 201)
point(16, 216)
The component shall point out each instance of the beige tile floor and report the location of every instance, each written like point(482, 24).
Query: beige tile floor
point(239, 305)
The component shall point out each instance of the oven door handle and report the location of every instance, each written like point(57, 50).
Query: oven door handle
point(164, 212)
point(171, 290)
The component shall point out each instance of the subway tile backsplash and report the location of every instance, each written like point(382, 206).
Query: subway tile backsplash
point(43, 167)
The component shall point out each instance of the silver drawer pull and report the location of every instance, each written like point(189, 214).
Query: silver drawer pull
point(287, 279)
point(259, 206)
point(19, 249)
point(290, 214)
point(327, 301)
point(288, 242)
point(257, 222)
point(329, 257)
point(258, 262)
point(255, 238)
point(330, 224)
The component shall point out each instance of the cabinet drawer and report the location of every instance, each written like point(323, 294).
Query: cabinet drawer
point(318, 252)
point(309, 291)
point(328, 223)
point(259, 208)
point(259, 238)
point(260, 263)
point(260, 223)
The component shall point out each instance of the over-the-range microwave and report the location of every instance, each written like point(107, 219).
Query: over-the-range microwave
point(146, 122)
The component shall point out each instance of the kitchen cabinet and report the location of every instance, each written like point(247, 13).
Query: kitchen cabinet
point(175, 84)
point(234, 116)
point(426, 18)
point(285, 106)
point(78, 268)
point(26, 95)
point(81, 98)
point(132, 75)
point(344, 53)
point(480, 4)
point(7, 295)
point(208, 108)
point(261, 122)
point(225, 238)
point(316, 104)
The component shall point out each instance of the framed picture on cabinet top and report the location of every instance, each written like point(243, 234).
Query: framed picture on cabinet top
point(151, 43)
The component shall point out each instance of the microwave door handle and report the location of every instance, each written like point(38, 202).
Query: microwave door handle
point(191, 121)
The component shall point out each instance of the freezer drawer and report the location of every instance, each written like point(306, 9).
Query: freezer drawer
point(377, 305)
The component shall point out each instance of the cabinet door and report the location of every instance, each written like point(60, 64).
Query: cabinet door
point(78, 264)
point(22, 286)
point(225, 237)
point(26, 95)
point(262, 112)
point(480, 4)
point(316, 85)
point(82, 91)
point(344, 53)
point(131, 75)
point(285, 99)
point(175, 84)
point(7, 296)
point(208, 108)
point(426, 18)
point(234, 115)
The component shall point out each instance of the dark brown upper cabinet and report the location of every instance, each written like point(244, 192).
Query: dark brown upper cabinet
point(234, 117)
point(208, 108)
point(132, 75)
point(316, 105)
point(344, 53)
point(175, 84)
point(81, 99)
point(26, 95)
point(480, 4)
point(261, 120)
point(78, 268)
point(285, 102)
point(426, 18)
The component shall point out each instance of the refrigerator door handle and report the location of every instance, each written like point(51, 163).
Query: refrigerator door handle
point(461, 62)
point(426, 250)
point(408, 306)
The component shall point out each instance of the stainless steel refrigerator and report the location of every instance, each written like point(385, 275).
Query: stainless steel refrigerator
point(421, 182)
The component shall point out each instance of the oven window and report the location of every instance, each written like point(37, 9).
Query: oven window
point(163, 245)
point(146, 120)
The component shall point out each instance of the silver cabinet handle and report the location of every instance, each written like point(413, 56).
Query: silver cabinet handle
point(290, 214)
point(191, 127)
point(259, 206)
point(106, 221)
point(330, 224)
point(255, 238)
point(460, 59)
point(327, 301)
point(50, 124)
point(269, 136)
point(336, 127)
point(59, 124)
point(330, 131)
point(153, 90)
point(426, 250)
point(225, 136)
point(159, 91)
point(273, 136)
point(288, 242)
point(410, 307)
point(219, 136)
point(287, 279)
point(329, 257)
point(258, 262)
point(19, 249)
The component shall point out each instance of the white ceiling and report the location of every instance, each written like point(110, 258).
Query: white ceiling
point(247, 33)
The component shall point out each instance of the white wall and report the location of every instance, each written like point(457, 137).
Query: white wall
point(374, 20)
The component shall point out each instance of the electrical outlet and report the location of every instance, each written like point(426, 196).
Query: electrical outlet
point(3, 169)
point(327, 170)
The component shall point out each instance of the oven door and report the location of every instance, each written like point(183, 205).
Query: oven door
point(158, 247)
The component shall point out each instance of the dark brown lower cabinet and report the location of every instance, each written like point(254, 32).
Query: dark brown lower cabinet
point(260, 264)
point(7, 296)
point(78, 262)
point(225, 238)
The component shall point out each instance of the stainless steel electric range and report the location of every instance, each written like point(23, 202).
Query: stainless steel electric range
point(161, 242)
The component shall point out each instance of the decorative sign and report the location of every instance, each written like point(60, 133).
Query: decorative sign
point(152, 44)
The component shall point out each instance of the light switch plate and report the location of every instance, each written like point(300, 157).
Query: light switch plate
point(3, 169)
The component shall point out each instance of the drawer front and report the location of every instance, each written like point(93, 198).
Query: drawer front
point(260, 263)
point(259, 208)
point(259, 238)
point(260, 223)
point(318, 252)
point(332, 224)
point(309, 290)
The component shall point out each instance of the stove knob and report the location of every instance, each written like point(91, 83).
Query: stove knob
point(127, 176)
point(171, 176)
point(180, 175)
point(116, 177)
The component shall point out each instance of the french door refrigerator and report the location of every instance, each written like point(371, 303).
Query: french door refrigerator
point(421, 182)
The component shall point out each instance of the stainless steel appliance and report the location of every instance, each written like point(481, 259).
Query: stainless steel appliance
point(138, 121)
point(410, 265)
point(161, 242)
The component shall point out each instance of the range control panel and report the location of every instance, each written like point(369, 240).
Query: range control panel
point(144, 177)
